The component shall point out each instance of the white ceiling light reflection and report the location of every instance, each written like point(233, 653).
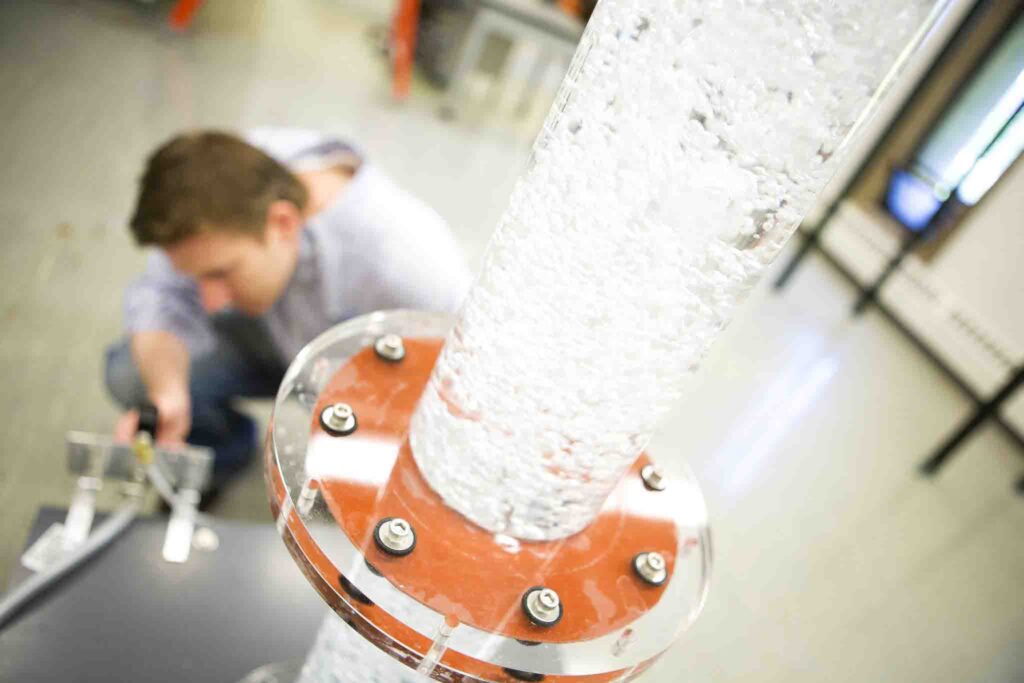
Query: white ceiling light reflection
point(361, 459)
point(997, 159)
point(767, 421)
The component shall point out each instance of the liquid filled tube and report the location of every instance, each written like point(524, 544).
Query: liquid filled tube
point(685, 145)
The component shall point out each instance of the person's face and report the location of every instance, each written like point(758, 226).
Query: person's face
point(244, 271)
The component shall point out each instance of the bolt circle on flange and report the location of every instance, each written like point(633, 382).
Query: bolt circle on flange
point(390, 347)
point(395, 536)
point(338, 419)
point(651, 568)
point(542, 606)
point(653, 478)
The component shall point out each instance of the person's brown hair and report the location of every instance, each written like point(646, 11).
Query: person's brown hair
point(208, 180)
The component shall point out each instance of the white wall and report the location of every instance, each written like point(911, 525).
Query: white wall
point(983, 265)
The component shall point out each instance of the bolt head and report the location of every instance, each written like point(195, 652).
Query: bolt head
point(390, 347)
point(548, 598)
point(653, 478)
point(542, 606)
point(651, 568)
point(338, 419)
point(395, 536)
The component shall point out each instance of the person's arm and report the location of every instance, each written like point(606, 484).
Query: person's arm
point(166, 324)
point(162, 361)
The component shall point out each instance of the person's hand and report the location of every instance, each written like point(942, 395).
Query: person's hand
point(174, 416)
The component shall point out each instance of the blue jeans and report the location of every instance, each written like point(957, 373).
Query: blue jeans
point(243, 364)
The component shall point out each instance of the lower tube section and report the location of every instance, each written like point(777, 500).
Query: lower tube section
point(340, 655)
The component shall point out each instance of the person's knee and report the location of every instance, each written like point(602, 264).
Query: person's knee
point(122, 377)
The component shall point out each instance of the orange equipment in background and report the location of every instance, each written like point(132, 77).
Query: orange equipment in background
point(403, 46)
point(182, 14)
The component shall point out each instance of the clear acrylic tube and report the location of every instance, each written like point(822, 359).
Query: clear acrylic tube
point(686, 143)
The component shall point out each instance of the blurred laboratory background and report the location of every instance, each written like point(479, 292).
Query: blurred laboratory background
point(860, 429)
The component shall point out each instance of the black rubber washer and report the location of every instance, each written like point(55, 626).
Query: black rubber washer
point(354, 593)
point(523, 675)
point(526, 610)
point(338, 432)
point(390, 551)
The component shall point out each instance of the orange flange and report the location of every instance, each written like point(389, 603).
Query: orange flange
point(459, 570)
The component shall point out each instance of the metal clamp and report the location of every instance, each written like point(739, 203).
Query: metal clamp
point(181, 526)
point(97, 457)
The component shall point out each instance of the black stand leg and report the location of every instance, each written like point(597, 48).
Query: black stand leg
point(984, 410)
point(867, 296)
point(935, 462)
point(809, 242)
point(812, 236)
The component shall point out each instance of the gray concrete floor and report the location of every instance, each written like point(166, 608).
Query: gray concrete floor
point(89, 88)
point(833, 560)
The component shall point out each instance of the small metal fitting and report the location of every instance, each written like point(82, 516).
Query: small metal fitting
point(653, 478)
point(395, 536)
point(338, 419)
point(651, 568)
point(205, 539)
point(542, 606)
point(390, 347)
point(307, 498)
